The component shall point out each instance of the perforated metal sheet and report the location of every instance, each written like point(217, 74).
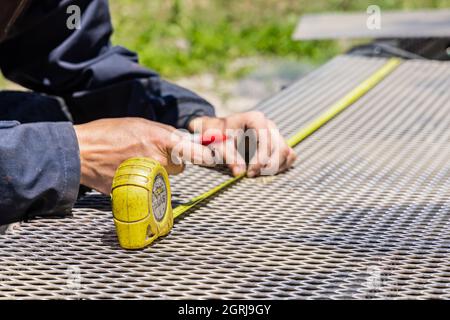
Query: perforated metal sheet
point(365, 213)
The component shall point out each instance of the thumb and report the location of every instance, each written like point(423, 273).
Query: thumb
point(184, 150)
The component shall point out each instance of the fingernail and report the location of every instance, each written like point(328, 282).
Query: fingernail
point(251, 174)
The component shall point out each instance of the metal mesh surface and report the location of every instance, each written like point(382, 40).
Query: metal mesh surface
point(365, 212)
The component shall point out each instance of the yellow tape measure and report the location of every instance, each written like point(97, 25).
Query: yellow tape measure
point(141, 202)
point(141, 199)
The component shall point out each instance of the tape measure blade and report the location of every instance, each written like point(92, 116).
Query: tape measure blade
point(342, 104)
point(182, 208)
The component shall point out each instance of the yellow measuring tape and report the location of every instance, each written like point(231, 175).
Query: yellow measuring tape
point(141, 199)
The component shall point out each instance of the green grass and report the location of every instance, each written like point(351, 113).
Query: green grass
point(185, 37)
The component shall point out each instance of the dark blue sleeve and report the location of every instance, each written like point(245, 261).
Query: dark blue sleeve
point(96, 79)
point(39, 169)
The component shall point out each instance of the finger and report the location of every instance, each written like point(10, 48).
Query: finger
point(202, 124)
point(262, 153)
point(255, 119)
point(195, 153)
point(174, 168)
point(278, 161)
point(267, 138)
point(286, 155)
point(226, 152)
point(289, 161)
point(292, 157)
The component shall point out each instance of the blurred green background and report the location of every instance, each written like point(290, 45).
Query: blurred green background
point(185, 37)
point(228, 39)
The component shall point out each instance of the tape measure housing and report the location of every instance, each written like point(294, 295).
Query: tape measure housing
point(141, 202)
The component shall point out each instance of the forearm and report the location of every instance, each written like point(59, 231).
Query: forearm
point(39, 170)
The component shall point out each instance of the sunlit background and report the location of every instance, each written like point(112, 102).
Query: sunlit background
point(234, 52)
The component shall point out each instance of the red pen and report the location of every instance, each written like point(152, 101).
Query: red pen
point(206, 140)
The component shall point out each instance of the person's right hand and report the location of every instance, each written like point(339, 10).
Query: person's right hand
point(105, 144)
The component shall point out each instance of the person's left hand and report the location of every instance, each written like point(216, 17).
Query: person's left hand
point(272, 154)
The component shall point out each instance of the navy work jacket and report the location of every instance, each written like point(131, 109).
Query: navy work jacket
point(78, 71)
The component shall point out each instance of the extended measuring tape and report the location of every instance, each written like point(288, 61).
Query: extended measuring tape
point(141, 199)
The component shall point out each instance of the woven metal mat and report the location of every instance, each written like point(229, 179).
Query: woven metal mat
point(365, 212)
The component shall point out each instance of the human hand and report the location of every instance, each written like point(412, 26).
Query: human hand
point(104, 144)
point(272, 154)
